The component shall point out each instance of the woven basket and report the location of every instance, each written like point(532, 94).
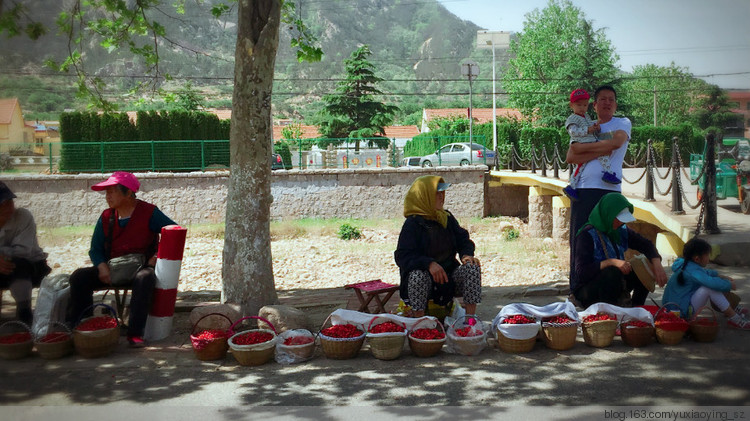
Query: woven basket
point(517, 338)
point(600, 333)
point(515, 346)
point(340, 348)
point(255, 354)
point(559, 337)
point(17, 350)
point(212, 350)
point(637, 336)
point(667, 332)
point(96, 343)
point(469, 345)
point(385, 346)
point(300, 352)
point(669, 337)
point(704, 329)
point(58, 349)
point(425, 348)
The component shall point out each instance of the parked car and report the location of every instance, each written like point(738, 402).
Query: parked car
point(276, 162)
point(460, 154)
point(411, 161)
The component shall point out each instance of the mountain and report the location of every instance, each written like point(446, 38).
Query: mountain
point(417, 47)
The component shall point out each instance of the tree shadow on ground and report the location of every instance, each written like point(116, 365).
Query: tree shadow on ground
point(167, 373)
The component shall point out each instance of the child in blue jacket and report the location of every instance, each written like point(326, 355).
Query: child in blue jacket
point(692, 286)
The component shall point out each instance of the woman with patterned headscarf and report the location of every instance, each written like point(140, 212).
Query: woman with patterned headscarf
point(429, 242)
point(603, 274)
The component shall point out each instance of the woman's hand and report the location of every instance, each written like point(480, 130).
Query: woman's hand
point(734, 284)
point(470, 260)
point(659, 275)
point(6, 265)
point(104, 273)
point(152, 261)
point(622, 265)
point(438, 273)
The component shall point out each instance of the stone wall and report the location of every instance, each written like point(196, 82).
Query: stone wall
point(193, 198)
point(506, 200)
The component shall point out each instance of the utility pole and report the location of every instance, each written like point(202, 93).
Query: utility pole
point(470, 69)
point(493, 39)
point(654, 105)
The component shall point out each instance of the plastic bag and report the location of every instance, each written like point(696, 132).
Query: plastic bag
point(475, 340)
point(292, 354)
point(457, 313)
point(51, 303)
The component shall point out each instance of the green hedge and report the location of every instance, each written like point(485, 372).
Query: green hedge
point(110, 141)
point(688, 140)
point(538, 137)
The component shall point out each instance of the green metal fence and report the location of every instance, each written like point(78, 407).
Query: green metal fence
point(28, 157)
point(200, 155)
point(342, 153)
point(435, 150)
point(157, 155)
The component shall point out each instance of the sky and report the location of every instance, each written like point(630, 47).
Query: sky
point(708, 37)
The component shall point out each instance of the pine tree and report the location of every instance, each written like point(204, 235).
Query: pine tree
point(353, 110)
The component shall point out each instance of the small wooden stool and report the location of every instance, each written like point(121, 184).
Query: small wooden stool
point(121, 304)
point(377, 290)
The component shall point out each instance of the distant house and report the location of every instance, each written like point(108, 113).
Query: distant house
point(308, 132)
point(479, 115)
point(401, 134)
point(46, 136)
point(15, 134)
point(742, 99)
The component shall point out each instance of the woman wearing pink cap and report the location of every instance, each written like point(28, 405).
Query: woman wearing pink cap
point(128, 226)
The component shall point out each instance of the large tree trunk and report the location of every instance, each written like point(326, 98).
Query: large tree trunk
point(247, 267)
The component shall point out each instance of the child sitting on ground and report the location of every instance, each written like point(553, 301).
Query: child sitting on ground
point(692, 286)
point(583, 130)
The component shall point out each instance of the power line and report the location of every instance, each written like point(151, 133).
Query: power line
point(337, 80)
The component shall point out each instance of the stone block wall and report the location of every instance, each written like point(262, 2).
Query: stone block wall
point(193, 198)
point(506, 200)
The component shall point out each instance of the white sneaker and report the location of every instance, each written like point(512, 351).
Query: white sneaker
point(739, 322)
point(741, 310)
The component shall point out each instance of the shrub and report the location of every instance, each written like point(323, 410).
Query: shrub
point(348, 232)
point(511, 234)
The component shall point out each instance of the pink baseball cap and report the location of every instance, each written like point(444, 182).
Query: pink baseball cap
point(579, 94)
point(119, 177)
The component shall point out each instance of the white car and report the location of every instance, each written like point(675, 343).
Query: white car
point(462, 154)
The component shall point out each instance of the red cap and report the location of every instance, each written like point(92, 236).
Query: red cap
point(579, 94)
point(119, 177)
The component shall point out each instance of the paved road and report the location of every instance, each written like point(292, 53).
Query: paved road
point(166, 380)
point(167, 376)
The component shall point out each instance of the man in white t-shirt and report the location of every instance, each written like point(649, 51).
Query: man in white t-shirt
point(613, 142)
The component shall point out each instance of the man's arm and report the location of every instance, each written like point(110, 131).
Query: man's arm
point(579, 153)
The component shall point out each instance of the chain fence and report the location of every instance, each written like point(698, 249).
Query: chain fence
point(699, 168)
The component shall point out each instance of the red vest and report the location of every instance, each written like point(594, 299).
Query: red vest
point(135, 237)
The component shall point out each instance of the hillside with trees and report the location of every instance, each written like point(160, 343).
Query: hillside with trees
point(416, 48)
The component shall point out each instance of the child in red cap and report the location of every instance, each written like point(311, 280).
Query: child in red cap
point(583, 130)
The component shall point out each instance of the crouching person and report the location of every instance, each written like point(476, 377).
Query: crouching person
point(129, 226)
point(428, 245)
point(23, 264)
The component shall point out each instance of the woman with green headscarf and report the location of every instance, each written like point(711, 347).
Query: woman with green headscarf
point(429, 242)
point(602, 273)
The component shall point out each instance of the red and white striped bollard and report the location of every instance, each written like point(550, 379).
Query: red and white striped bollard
point(168, 263)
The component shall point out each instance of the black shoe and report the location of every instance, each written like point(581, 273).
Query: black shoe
point(25, 315)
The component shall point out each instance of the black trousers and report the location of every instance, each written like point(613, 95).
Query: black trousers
point(579, 214)
point(609, 286)
point(83, 283)
point(33, 271)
